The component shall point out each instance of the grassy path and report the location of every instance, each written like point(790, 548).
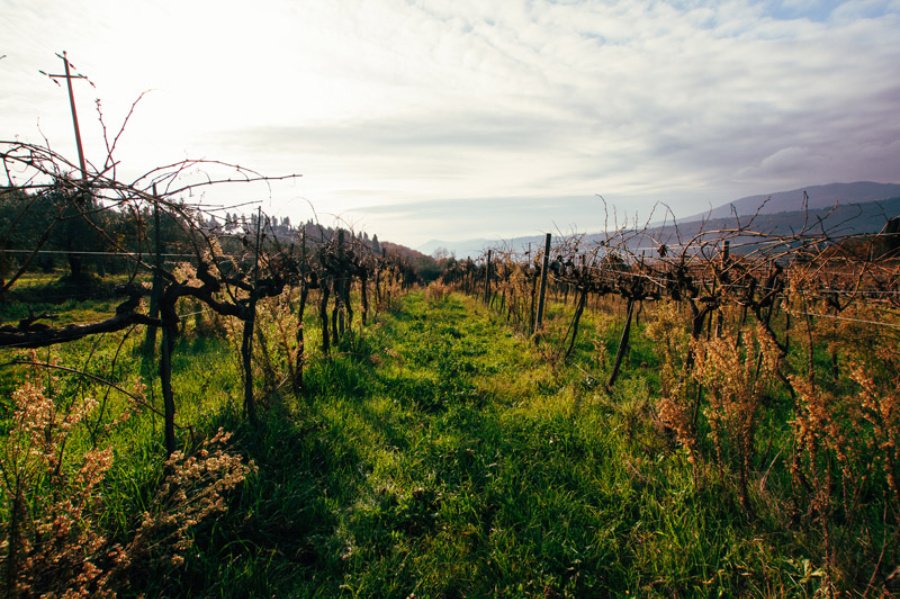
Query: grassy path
point(439, 456)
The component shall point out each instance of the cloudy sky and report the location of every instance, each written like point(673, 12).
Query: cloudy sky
point(418, 120)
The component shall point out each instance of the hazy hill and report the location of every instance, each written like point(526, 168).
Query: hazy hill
point(843, 208)
point(835, 221)
point(820, 196)
point(424, 265)
point(460, 249)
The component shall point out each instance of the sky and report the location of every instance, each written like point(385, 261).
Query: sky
point(419, 120)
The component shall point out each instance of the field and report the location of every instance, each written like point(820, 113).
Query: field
point(202, 399)
point(437, 452)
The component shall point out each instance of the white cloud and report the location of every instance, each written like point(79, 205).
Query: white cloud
point(388, 100)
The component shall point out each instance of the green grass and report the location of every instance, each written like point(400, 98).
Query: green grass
point(439, 454)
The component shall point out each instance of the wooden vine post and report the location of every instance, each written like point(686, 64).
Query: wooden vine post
point(301, 309)
point(583, 288)
point(338, 288)
point(545, 265)
point(723, 266)
point(487, 279)
point(169, 331)
point(364, 294)
point(324, 296)
point(623, 344)
point(249, 323)
point(533, 289)
point(346, 283)
point(150, 339)
point(343, 310)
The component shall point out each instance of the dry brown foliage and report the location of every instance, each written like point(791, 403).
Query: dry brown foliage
point(735, 377)
point(52, 542)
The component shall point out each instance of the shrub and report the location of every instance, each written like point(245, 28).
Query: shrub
point(53, 543)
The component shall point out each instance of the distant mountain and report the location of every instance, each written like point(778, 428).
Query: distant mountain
point(820, 196)
point(426, 267)
point(862, 218)
point(840, 209)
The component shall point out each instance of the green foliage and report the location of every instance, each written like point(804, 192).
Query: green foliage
point(441, 456)
point(437, 453)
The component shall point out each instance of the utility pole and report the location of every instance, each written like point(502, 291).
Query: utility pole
point(68, 76)
point(81, 197)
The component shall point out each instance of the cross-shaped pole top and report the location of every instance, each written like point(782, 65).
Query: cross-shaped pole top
point(68, 76)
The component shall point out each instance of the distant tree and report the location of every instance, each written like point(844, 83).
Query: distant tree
point(441, 253)
point(80, 219)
